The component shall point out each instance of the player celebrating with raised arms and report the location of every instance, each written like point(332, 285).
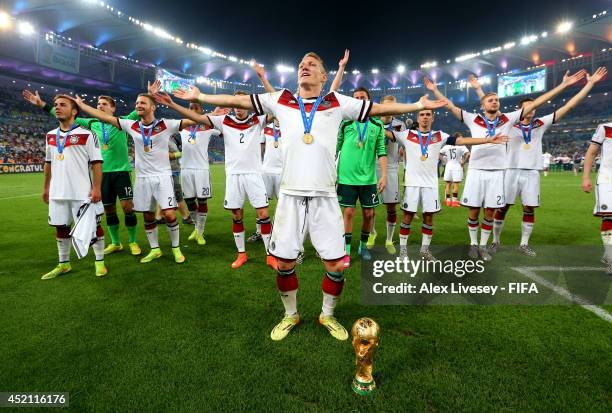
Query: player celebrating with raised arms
point(153, 182)
point(242, 134)
point(522, 177)
point(308, 203)
point(453, 171)
point(422, 150)
point(70, 150)
point(484, 184)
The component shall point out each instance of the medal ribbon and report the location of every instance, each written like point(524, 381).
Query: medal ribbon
point(527, 136)
point(104, 134)
point(146, 138)
point(491, 126)
point(59, 142)
point(275, 132)
point(362, 134)
point(424, 147)
point(192, 133)
point(307, 120)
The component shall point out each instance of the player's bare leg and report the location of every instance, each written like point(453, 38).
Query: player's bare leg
point(391, 223)
point(333, 283)
point(348, 216)
point(238, 230)
point(405, 233)
point(287, 284)
point(265, 225)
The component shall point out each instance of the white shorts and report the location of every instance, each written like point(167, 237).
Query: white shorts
point(149, 190)
point(391, 193)
point(298, 216)
point(239, 187)
point(196, 183)
point(453, 175)
point(272, 183)
point(484, 189)
point(65, 212)
point(603, 200)
point(427, 197)
point(524, 183)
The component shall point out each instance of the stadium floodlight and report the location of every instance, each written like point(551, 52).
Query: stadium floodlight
point(355, 72)
point(427, 65)
point(544, 34)
point(25, 28)
point(280, 68)
point(5, 20)
point(401, 69)
point(564, 27)
point(374, 71)
point(509, 45)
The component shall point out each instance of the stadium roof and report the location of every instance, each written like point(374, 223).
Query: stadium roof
point(102, 29)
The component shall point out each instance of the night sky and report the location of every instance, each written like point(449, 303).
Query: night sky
point(407, 32)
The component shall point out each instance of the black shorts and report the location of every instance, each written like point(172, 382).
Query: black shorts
point(116, 185)
point(367, 195)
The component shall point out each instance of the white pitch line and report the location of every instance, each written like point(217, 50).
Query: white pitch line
point(529, 272)
point(19, 196)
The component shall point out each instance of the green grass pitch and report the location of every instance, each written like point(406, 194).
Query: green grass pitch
point(195, 337)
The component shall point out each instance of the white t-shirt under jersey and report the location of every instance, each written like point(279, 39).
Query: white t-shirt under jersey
point(423, 174)
point(70, 178)
point(603, 137)
point(309, 169)
point(454, 156)
point(242, 139)
point(531, 158)
point(489, 156)
point(156, 162)
point(272, 161)
point(195, 151)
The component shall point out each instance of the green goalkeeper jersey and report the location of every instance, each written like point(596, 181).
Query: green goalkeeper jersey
point(357, 163)
point(115, 152)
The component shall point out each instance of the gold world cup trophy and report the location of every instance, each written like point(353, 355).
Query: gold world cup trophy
point(365, 333)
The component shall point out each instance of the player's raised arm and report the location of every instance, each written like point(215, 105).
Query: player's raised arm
point(226, 101)
point(432, 87)
point(395, 108)
point(473, 80)
point(340, 74)
point(578, 97)
point(261, 74)
point(566, 82)
point(97, 113)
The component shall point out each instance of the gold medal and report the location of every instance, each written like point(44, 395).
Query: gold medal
point(276, 144)
point(308, 138)
point(423, 157)
point(360, 144)
point(526, 146)
point(147, 149)
point(105, 147)
point(192, 141)
point(60, 157)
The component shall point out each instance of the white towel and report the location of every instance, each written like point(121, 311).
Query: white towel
point(84, 230)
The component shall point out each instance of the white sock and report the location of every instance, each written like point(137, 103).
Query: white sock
point(498, 226)
point(152, 237)
point(404, 237)
point(289, 299)
point(426, 240)
point(193, 216)
point(390, 231)
point(98, 248)
point(239, 240)
point(200, 221)
point(485, 231)
point(473, 230)
point(63, 249)
point(173, 233)
point(526, 229)
point(329, 303)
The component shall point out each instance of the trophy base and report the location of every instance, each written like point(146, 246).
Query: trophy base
point(363, 388)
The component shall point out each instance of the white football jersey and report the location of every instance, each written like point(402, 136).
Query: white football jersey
point(70, 178)
point(310, 169)
point(194, 142)
point(603, 137)
point(546, 158)
point(242, 139)
point(272, 161)
point(454, 156)
point(520, 157)
point(489, 156)
point(417, 172)
point(393, 147)
point(156, 161)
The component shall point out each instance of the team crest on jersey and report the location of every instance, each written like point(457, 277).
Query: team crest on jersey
point(326, 103)
point(156, 129)
point(74, 139)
